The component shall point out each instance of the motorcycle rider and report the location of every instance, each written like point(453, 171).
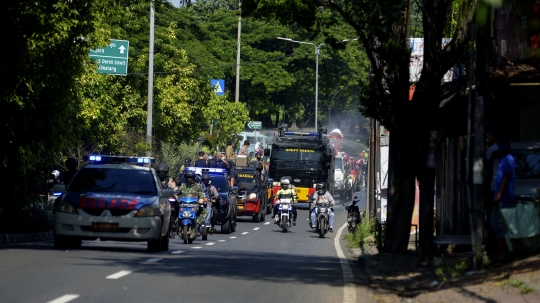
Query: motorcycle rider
point(67, 176)
point(191, 189)
point(324, 196)
point(212, 195)
point(286, 191)
point(163, 174)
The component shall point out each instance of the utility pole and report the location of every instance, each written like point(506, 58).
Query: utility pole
point(237, 89)
point(150, 82)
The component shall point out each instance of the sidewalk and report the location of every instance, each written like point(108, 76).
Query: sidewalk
point(25, 238)
point(409, 279)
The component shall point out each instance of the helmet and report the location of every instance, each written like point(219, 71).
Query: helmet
point(56, 173)
point(321, 188)
point(72, 163)
point(285, 183)
point(286, 178)
point(205, 178)
point(188, 160)
point(190, 176)
point(162, 170)
point(246, 142)
point(197, 178)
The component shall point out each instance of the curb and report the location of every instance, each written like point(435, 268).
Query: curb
point(6, 239)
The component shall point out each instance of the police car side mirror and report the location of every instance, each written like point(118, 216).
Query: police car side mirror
point(234, 189)
point(59, 188)
point(168, 193)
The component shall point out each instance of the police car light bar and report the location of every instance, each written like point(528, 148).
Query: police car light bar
point(123, 159)
point(300, 134)
point(211, 171)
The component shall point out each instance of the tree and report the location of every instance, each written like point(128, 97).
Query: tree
point(229, 117)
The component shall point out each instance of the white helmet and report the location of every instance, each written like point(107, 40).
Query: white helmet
point(285, 183)
point(56, 173)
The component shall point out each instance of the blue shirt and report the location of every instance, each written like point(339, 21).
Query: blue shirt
point(506, 166)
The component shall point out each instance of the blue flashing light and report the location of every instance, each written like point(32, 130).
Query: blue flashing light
point(57, 194)
point(300, 134)
point(210, 171)
point(121, 159)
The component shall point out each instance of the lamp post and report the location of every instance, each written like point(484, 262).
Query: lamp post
point(317, 48)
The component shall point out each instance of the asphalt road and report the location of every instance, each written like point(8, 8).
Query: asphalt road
point(257, 263)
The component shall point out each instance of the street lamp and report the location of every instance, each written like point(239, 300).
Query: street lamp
point(317, 48)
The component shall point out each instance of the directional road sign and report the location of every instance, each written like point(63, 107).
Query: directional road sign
point(218, 85)
point(255, 124)
point(112, 59)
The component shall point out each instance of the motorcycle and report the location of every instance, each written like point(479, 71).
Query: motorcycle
point(284, 216)
point(187, 219)
point(353, 215)
point(322, 219)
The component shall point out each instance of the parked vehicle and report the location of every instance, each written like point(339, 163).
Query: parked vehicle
point(353, 215)
point(322, 219)
point(527, 183)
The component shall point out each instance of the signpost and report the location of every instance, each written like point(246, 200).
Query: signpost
point(112, 59)
point(218, 86)
point(255, 124)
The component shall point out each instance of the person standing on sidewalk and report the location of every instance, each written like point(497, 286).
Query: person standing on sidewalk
point(504, 193)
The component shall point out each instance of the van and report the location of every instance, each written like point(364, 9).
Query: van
point(253, 137)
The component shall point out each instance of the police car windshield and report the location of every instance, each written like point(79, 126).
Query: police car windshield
point(138, 182)
point(220, 182)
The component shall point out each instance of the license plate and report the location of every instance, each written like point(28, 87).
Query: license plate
point(105, 226)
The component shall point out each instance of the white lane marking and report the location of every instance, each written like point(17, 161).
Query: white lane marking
point(64, 299)
point(178, 252)
point(232, 237)
point(349, 288)
point(256, 228)
point(221, 240)
point(211, 243)
point(153, 260)
point(118, 275)
point(245, 233)
point(196, 247)
point(266, 223)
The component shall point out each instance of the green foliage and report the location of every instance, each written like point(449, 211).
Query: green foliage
point(457, 269)
point(231, 117)
point(365, 234)
point(174, 155)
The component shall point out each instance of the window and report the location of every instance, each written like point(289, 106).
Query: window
point(338, 164)
point(220, 183)
point(139, 182)
point(527, 163)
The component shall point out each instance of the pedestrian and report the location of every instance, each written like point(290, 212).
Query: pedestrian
point(503, 194)
point(230, 150)
point(201, 161)
point(493, 158)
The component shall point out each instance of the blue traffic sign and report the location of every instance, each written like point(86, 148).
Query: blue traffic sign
point(218, 86)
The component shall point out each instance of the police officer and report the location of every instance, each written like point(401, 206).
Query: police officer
point(244, 150)
point(286, 192)
point(191, 189)
point(201, 162)
point(229, 152)
point(322, 195)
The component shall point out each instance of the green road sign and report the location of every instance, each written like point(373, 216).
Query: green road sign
point(255, 124)
point(112, 59)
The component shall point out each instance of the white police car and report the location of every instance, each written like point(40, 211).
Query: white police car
point(113, 198)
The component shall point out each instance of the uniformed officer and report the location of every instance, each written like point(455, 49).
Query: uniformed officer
point(191, 189)
point(230, 150)
point(286, 192)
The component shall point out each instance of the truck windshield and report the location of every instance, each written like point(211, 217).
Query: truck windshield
point(139, 182)
point(297, 154)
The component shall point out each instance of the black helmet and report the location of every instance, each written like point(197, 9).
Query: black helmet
point(321, 188)
point(72, 163)
point(189, 174)
point(197, 178)
point(205, 178)
point(162, 167)
point(188, 160)
point(246, 142)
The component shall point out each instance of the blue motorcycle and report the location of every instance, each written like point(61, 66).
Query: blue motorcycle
point(187, 219)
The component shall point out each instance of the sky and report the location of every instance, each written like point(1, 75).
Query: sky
point(175, 2)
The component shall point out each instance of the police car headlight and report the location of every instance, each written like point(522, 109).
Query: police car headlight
point(252, 196)
point(147, 211)
point(65, 207)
